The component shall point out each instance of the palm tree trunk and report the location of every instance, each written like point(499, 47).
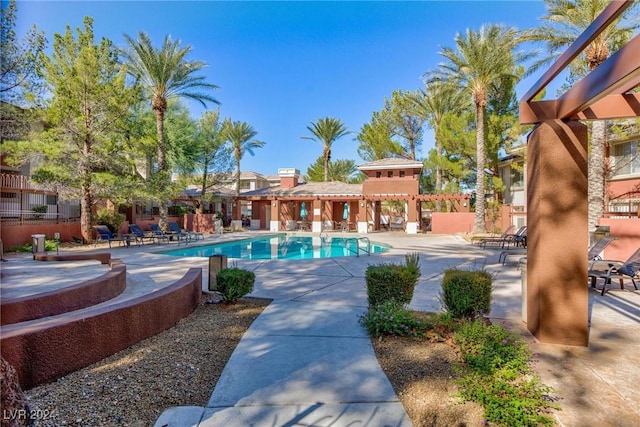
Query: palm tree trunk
point(479, 224)
point(327, 153)
point(596, 175)
point(162, 168)
point(438, 173)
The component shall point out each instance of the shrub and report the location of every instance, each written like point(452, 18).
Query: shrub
point(391, 318)
point(234, 283)
point(498, 375)
point(466, 293)
point(113, 220)
point(392, 282)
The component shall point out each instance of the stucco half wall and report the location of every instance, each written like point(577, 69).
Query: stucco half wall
point(43, 350)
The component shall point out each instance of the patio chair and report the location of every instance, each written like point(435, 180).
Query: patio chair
point(140, 235)
point(103, 234)
point(482, 242)
point(598, 246)
point(159, 233)
point(186, 235)
point(609, 269)
point(519, 238)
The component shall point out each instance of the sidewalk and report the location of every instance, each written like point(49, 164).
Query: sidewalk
point(307, 361)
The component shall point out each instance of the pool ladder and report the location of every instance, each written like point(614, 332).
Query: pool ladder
point(366, 249)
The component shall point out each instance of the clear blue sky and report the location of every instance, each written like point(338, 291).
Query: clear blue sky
point(282, 65)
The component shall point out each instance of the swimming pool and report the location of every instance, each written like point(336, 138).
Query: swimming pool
point(283, 246)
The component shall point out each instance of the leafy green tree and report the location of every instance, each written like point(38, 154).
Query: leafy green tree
point(481, 58)
point(212, 158)
point(165, 73)
point(376, 139)
point(564, 22)
point(342, 170)
point(433, 103)
point(326, 131)
point(89, 99)
point(240, 135)
point(406, 120)
point(19, 82)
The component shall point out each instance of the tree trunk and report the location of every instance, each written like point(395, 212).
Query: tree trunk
point(438, 173)
point(596, 174)
point(162, 168)
point(86, 201)
point(479, 224)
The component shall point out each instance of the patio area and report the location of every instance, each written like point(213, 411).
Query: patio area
point(594, 383)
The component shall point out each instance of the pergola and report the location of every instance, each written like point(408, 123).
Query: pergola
point(557, 292)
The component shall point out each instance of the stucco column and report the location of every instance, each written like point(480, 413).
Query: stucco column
point(274, 223)
point(412, 217)
point(316, 216)
point(557, 293)
point(363, 223)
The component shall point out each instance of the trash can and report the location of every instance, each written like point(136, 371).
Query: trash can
point(216, 263)
point(522, 265)
point(37, 243)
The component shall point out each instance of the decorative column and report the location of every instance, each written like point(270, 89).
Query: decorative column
point(316, 215)
point(557, 236)
point(274, 223)
point(412, 217)
point(363, 223)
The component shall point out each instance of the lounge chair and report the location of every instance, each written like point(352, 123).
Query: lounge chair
point(103, 234)
point(519, 238)
point(184, 234)
point(482, 242)
point(609, 269)
point(159, 233)
point(598, 246)
point(140, 235)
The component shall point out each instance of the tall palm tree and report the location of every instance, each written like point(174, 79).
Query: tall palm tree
point(434, 102)
point(165, 73)
point(564, 21)
point(481, 58)
point(327, 130)
point(240, 135)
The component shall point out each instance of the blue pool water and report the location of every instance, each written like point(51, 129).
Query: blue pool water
point(282, 246)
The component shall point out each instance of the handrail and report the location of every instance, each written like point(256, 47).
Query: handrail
point(357, 241)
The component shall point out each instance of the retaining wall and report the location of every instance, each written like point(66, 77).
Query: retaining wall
point(43, 350)
point(66, 299)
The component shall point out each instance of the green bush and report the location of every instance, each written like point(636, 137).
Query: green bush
point(392, 318)
point(113, 220)
point(234, 283)
point(49, 245)
point(498, 375)
point(392, 282)
point(466, 293)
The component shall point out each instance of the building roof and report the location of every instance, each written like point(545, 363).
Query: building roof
point(390, 163)
point(306, 189)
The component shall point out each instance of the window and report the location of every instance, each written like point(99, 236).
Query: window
point(624, 159)
point(390, 174)
point(401, 174)
point(517, 178)
point(378, 174)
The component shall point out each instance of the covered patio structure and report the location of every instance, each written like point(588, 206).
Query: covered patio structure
point(323, 206)
point(557, 292)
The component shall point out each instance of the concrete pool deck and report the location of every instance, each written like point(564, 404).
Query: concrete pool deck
point(316, 306)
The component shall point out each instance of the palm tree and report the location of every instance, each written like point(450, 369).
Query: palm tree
point(326, 131)
point(240, 135)
point(434, 102)
point(565, 20)
point(165, 73)
point(481, 58)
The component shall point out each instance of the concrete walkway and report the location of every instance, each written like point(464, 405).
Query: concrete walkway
point(307, 361)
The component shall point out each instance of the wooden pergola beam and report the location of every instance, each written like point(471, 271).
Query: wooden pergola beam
point(615, 9)
point(617, 75)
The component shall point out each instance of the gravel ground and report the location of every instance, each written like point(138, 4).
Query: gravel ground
point(182, 365)
point(179, 366)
